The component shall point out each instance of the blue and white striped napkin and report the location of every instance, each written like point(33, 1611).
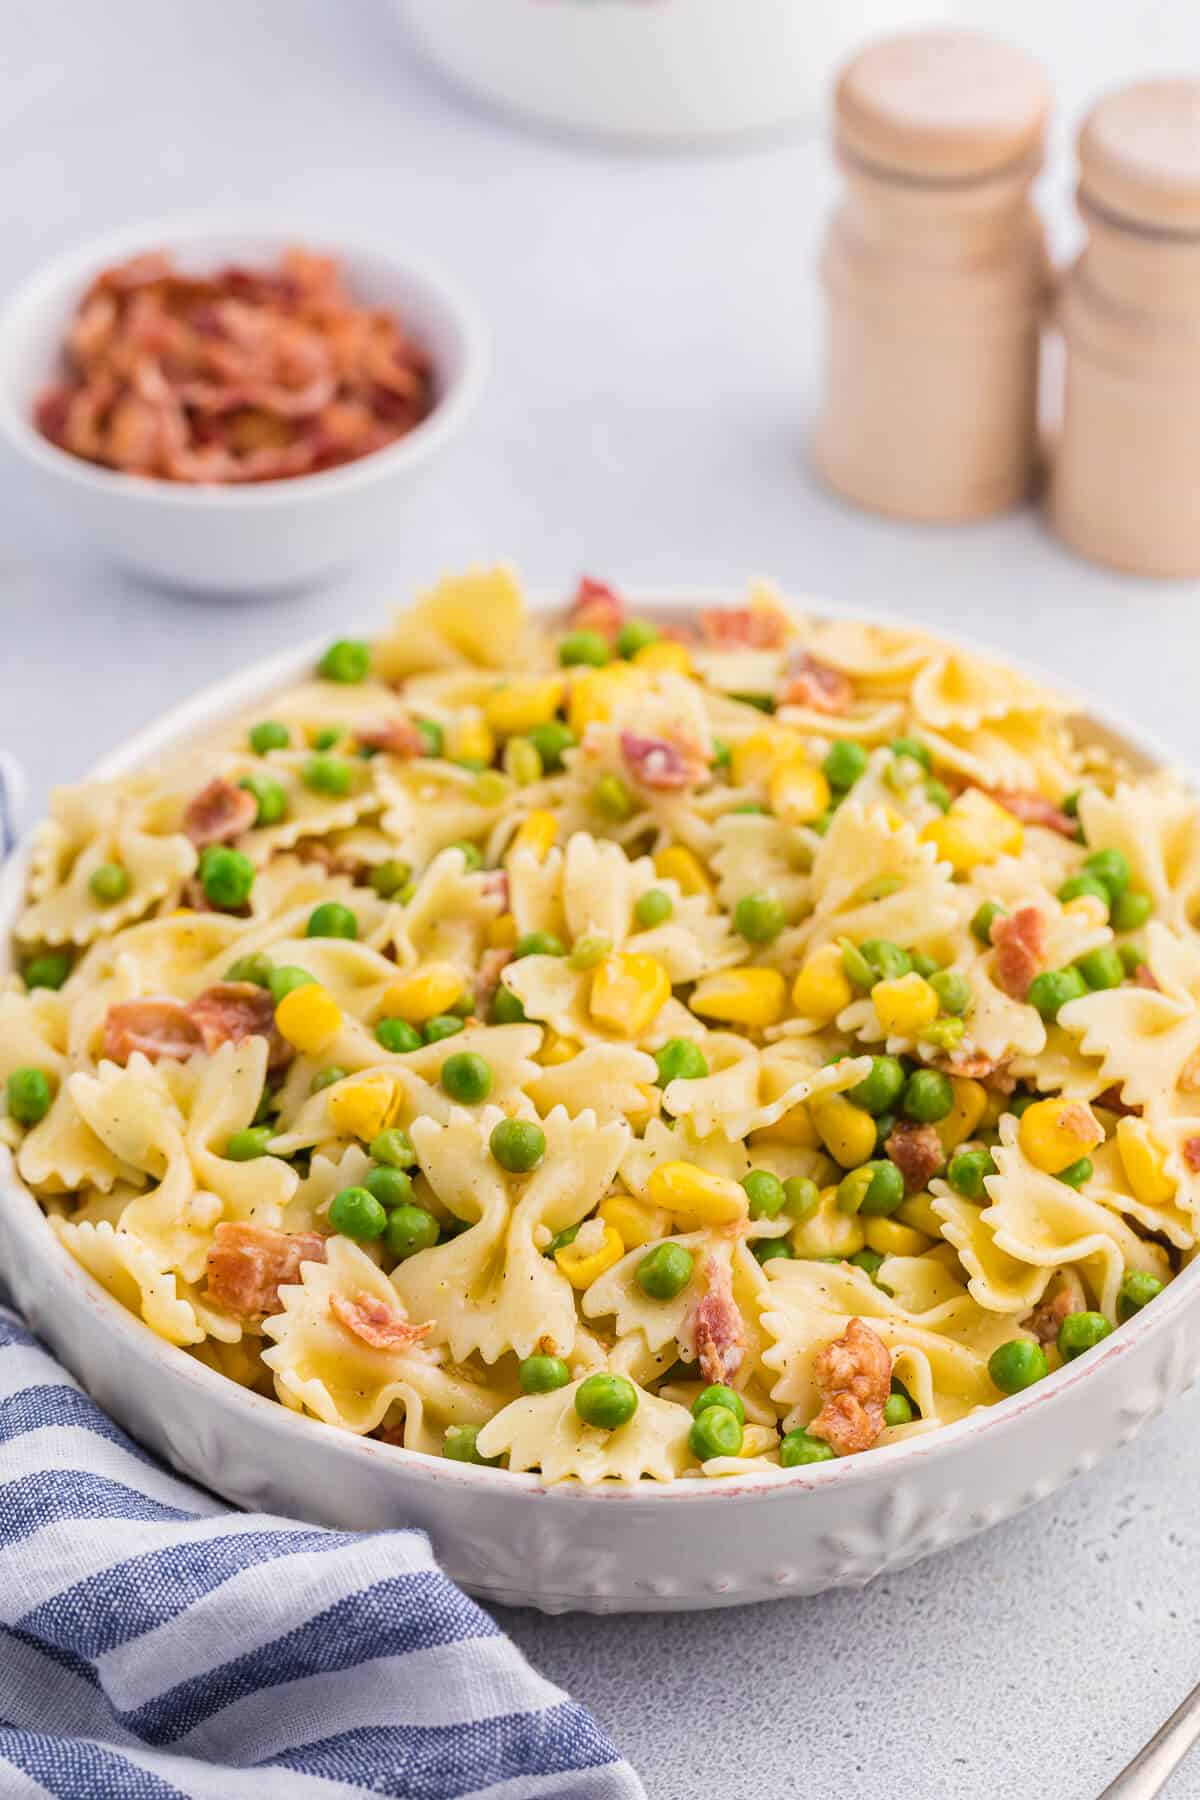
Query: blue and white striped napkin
point(156, 1645)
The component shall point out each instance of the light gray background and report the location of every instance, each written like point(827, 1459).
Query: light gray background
point(655, 332)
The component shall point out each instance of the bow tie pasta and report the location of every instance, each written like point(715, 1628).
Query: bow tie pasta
point(621, 1050)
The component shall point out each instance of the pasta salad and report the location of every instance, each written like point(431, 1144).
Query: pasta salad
point(621, 1049)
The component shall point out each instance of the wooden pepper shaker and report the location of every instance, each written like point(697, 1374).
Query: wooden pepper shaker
point(936, 279)
point(1125, 486)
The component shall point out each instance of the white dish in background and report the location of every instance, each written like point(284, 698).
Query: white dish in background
point(689, 1544)
point(267, 535)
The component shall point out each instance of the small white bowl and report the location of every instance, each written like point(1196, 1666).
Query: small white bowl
point(268, 535)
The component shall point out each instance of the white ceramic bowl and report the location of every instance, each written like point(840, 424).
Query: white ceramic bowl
point(693, 1543)
point(268, 535)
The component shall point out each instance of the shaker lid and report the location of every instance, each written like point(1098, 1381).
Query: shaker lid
point(941, 105)
point(1139, 154)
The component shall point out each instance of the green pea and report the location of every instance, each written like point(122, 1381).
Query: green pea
point(855, 964)
point(393, 1148)
point(984, 918)
point(898, 1410)
point(680, 1060)
point(326, 1078)
point(269, 796)
point(1016, 1365)
point(925, 966)
point(459, 1445)
point(1137, 1290)
point(845, 763)
point(967, 1172)
point(938, 794)
point(749, 806)
point(801, 1197)
point(1133, 957)
point(1130, 910)
point(269, 734)
point(764, 703)
point(284, 981)
point(442, 1025)
point(717, 1394)
point(1076, 1173)
point(247, 1145)
point(410, 1229)
point(885, 1124)
point(868, 1260)
point(347, 660)
point(356, 1213)
point(1101, 968)
point(586, 649)
point(433, 735)
point(1112, 868)
point(1020, 1104)
point(466, 1077)
point(327, 736)
point(550, 740)
point(327, 775)
point(772, 1250)
point(29, 1095)
point(911, 746)
point(885, 1192)
point(879, 1090)
point(256, 968)
point(1079, 1332)
point(852, 1189)
point(653, 907)
point(49, 970)
point(798, 1448)
point(331, 921)
point(953, 991)
point(1050, 991)
point(888, 960)
point(722, 755)
point(606, 1401)
point(538, 943)
point(928, 1096)
point(1076, 886)
point(715, 1432)
point(506, 1008)
point(665, 1271)
point(108, 882)
point(759, 918)
point(541, 1374)
point(612, 799)
point(634, 635)
point(226, 876)
point(517, 1145)
point(560, 1242)
point(765, 1193)
point(590, 952)
point(387, 878)
point(397, 1036)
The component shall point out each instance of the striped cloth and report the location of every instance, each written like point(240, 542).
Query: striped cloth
point(156, 1645)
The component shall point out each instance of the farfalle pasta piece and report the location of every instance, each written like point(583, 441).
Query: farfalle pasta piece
point(1147, 1040)
point(1154, 825)
point(70, 913)
point(959, 691)
point(474, 618)
point(543, 1431)
point(612, 1080)
point(872, 878)
point(732, 1099)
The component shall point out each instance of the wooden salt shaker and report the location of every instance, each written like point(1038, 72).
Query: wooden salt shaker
point(936, 278)
point(1125, 485)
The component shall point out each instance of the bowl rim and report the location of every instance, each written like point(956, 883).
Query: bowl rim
point(45, 289)
point(227, 698)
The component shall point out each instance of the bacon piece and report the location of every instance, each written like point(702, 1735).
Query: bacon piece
point(219, 813)
point(808, 682)
point(1191, 1154)
point(248, 1264)
point(1048, 1315)
point(756, 627)
point(718, 1326)
point(1032, 809)
point(597, 607)
point(399, 737)
point(975, 1066)
point(662, 763)
point(854, 1377)
point(1020, 940)
point(487, 978)
point(232, 1010)
point(155, 1027)
point(376, 1323)
point(916, 1151)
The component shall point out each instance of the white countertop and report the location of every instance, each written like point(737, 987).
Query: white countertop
point(655, 335)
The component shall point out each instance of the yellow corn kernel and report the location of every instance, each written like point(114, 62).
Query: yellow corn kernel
point(502, 932)
point(906, 1005)
point(365, 1106)
point(557, 1049)
point(847, 1132)
point(1088, 907)
point(424, 991)
point(628, 993)
point(822, 987)
point(1144, 1161)
point(685, 1188)
point(917, 1211)
point(309, 1018)
point(829, 1231)
point(890, 1238)
point(754, 760)
point(664, 656)
point(582, 1267)
point(679, 864)
point(470, 740)
point(974, 831)
point(962, 1121)
point(537, 832)
point(1055, 1133)
point(634, 1221)
point(517, 708)
point(794, 1126)
point(595, 692)
point(741, 997)
point(799, 793)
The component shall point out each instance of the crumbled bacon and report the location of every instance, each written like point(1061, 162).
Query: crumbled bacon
point(1048, 1315)
point(247, 375)
point(377, 1324)
point(597, 607)
point(487, 978)
point(1020, 940)
point(248, 1264)
point(854, 1377)
point(717, 1325)
point(1191, 1154)
point(662, 763)
point(1032, 809)
point(975, 1066)
point(223, 1014)
point(155, 1027)
point(232, 1010)
point(398, 737)
point(218, 813)
point(916, 1151)
point(808, 682)
point(756, 627)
